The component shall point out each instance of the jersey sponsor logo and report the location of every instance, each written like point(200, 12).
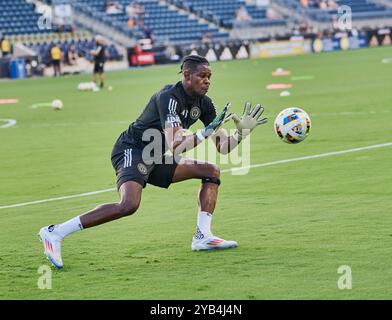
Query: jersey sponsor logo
point(142, 168)
point(195, 113)
point(173, 121)
point(127, 158)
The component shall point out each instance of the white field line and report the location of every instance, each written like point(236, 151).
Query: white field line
point(99, 123)
point(266, 164)
point(327, 154)
point(9, 123)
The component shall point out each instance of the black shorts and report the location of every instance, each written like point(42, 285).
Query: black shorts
point(98, 67)
point(129, 166)
point(56, 62)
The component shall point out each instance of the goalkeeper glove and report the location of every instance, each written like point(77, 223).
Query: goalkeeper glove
point(215, 124)
point(248, 121)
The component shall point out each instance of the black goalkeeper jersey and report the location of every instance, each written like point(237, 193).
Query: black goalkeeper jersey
point(101, 53)
point(170, 107)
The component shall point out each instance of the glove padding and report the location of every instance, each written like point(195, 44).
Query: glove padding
point(217, 122)
point(248, 121)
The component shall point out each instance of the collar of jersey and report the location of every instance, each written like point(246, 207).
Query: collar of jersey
point(188, 99)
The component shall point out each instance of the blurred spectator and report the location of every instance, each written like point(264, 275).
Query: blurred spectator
point(303, 26)
point(130, 10)
point(135, 10)
point(242, 14)
point(113, 8)
point(56, 55)
point(304, 3)
point(131, 23)
point(331, 4)
point(354, 32)
point(5, 46)
point(296, 35)
point(324, 4)
point(139, 25)
point(139, 9)
point(335, 23)
point(271, 13)
point(206, 38)
point(148, 34)
point(72, 55)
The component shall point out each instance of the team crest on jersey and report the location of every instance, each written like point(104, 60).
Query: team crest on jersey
point(142, 168)
point(195, 113)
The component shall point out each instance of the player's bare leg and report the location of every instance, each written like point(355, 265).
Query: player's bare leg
point(194, 169)
point(101, 79)
point(207, 197)
point(130, 196)
point(52, 236)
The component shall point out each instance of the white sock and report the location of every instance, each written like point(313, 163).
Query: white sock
point(204, 222)
point(69, 227)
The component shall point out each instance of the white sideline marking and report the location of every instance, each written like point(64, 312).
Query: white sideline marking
point(57, 199)
point(9, 123)
point(327, 154)
point(266, 164)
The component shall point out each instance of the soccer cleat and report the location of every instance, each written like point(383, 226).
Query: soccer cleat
point(212, 243)
point(52, 245)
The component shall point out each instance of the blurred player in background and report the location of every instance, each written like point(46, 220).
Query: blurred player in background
point(99, 54)
point(5, 46)
point(56, 55)
point(169, 111)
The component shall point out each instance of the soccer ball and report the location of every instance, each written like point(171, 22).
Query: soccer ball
point(292, 125)
point(57, 104)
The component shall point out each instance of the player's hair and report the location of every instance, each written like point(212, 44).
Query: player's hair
point(192, 61)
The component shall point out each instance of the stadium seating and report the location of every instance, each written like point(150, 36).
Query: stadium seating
point(223, 12)
point(361, 9)
point(166, 24)
point(19, 17)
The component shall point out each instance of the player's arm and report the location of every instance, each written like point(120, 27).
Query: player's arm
point(249, 120)
point(174, 133)
point(224, 143)
point(178, 143)
point(96, 51)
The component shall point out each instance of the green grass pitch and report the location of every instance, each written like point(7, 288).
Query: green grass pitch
point(296, 223)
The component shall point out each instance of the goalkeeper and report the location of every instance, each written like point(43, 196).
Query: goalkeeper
point(169, 111)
